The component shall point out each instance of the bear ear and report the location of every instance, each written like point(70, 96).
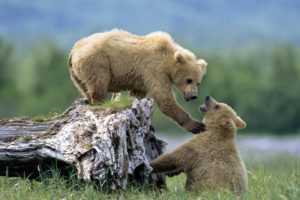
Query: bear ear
point(179, 57)
point(203, 65)
point(240, 123)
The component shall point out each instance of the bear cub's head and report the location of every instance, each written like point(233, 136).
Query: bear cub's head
point(188, 73)
point(220, 116)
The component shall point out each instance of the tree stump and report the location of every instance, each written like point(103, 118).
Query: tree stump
point(106, 147)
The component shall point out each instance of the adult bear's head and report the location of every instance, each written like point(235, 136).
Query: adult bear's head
point(188, 73)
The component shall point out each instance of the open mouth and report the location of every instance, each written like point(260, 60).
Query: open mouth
point(203, 109)
point(189, 98)
point(207, 101)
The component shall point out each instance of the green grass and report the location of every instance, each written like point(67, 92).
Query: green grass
point(275, 178)
point(125, 101)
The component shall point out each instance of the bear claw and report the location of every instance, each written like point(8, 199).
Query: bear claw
point(199, 127)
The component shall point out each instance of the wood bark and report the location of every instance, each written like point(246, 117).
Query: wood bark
point(105, 147)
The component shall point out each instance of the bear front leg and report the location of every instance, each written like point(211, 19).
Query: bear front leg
point(165, 163)
point(167, 104)
point(98, 86)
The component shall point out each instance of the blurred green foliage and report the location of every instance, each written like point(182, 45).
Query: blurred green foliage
point(35, 83)
point(261, 84)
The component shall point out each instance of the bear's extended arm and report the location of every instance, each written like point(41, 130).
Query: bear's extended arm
point(179, 160)
point(165, 163)
point(167, 104)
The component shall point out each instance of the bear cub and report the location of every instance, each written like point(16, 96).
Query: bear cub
point(151, 64)
point(211, 159)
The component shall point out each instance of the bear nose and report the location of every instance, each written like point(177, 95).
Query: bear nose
point(193, 97)
point(207, 98)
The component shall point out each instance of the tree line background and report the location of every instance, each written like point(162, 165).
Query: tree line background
point(261, 83)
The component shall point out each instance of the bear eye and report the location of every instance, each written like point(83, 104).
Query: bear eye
point(189, 81)
point(198, 84)
point(217, 107)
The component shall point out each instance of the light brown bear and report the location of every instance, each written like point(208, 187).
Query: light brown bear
point(117, 60)
point(211, 159)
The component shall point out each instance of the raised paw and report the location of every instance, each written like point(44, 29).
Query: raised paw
point(199, 127)
point(195, 127)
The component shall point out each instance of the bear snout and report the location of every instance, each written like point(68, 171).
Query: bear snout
point(207, 100)
point(188, 97)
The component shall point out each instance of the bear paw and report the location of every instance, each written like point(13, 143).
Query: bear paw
point(82, 101)
point(195, 127)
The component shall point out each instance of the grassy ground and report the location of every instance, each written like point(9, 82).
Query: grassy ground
point(275, 178)
point(124, 101)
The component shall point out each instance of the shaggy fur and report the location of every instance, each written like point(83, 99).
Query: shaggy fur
point(118, 60)
point(210, 159)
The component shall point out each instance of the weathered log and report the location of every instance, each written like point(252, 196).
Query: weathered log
point(105, 147)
